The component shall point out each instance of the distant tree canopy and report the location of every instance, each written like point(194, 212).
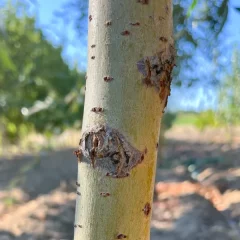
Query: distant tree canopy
point(229, 95)
point(37, 88)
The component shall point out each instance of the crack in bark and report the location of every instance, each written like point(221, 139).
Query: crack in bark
point(108, 149)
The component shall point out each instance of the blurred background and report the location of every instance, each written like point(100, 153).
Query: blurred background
point(43, 59)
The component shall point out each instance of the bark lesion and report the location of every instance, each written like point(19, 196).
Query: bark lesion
point(157, 71)
point(108, 149)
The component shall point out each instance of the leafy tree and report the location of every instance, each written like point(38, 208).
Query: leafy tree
point(37, 88)
point(229, 97)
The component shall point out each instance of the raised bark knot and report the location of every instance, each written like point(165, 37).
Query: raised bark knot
point(108, 149)
point(157, 70)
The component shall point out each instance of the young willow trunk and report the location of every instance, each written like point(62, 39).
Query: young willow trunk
point(130, 59)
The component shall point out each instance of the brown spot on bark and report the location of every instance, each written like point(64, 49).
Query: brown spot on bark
point(78, 154)
point(163, 39)
point(108, 23)
point(167, 9)
point(125, 33)
point(121, 236)
point(157, 71)
point(93, 46)
point(80, 226)
point(78, 184)
point(157, 145)
point(93, 57)
point(135, 24)
point(107, 79)
point(75, 225)
point(97, 109)
point(147, 209)
point(113, 153)
point(90, 18)
point(161, 18)
point(142, 158)
point(145, 151)
point(105, 194)
point(78, 193)
point(143, 1)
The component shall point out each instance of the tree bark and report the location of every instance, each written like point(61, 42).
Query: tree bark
point(130, 59)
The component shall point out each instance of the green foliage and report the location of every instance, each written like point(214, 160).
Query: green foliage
point(168, 120)
point(186, 118)
point(9, 201)
point(200, 120)
point(191, 8)
point(206, 119)
point(37, 88)
point(197, 26)
point(229, 95)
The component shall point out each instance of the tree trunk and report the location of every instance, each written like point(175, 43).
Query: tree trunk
point(130, 59)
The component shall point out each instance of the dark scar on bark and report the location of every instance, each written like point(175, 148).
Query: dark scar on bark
point(107, 149)
point(78, 154)
point(163, 39)
point(108, 79)
point(105, 194)
point(97, 109)
point(121, 236)
point(143, 1)
point(125, 33)
point(135, 23)
point(157, 70)
point(147, 209)
point(108, 23)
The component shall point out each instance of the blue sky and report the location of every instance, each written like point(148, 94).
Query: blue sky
point(75, 51)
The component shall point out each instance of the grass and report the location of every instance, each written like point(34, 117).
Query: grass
point(186, 119)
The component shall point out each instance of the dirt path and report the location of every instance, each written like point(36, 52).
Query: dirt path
point(197, 194)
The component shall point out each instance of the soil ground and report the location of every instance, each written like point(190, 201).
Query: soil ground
point(197, 191)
